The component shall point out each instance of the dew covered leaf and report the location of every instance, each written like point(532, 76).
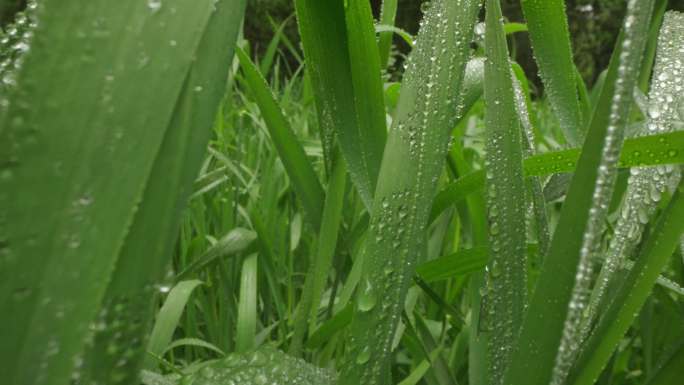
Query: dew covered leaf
point(265, 365)
point(80, 136)
point(425, 114)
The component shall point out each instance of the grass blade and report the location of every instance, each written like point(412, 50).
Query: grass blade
point(460, 263)
point(548, 30)
point(633, 292)
point(247, 306)
point(304, 179)
point(671, 372)
point(652, 150)
point(43, 135)
point(425, 115)
point(167, 319)
point(369, 100)
point(647, 185)
point(126, 309)
point(581, 220)
point(506, 280)
point(307, 313)
point(387, 14)
point(345, 91)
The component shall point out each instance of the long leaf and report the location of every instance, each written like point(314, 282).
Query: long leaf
point(346, 92)
point(548, 30)
point(168, 317)
point(580, 223)
point(317, 276)
point(78, 142)
point(652, 150)
point(506, 280)
point(304, 179)
point(633, 292)
point(126, 310)
point(387, 16)
point(417, 144)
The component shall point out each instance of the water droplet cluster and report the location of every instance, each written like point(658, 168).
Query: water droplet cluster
point(15, 42)
point(636, 21)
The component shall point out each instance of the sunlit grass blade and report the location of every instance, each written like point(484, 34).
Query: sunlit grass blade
point(565, 271)
point(548, 30)
point(632, 294)
point(418, 142)
point(347, 84)
point(506, 280)
point(86, 132)
point(247, 306)
point(304, 179)
point(167, 319)
point(630, 60)
point(652, 44)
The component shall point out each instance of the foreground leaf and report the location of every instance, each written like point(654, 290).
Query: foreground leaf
point(79, 113)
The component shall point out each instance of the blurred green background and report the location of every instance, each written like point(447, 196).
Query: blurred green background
point(594, 25)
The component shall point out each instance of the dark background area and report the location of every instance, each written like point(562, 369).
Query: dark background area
point(594, 25)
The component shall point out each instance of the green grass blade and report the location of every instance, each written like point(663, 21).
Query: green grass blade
point(326, 331)
point(193, 342)
point(647, 185)
point(304, 179)
point(167, 319)
point(460, 263)
point(671, 371)
point(652, 150)
point(418, 139)
point(369, 100)
point(548, 30)
point(581, 220)
point(632, 294)
point(314, 285)
point(126, 309)
point(387, 14)
point(345, 90)
point(631, 56)
point(265, 365)
point(247, 306)
point(235, 241)
point(506, 280)
point(92, 119)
